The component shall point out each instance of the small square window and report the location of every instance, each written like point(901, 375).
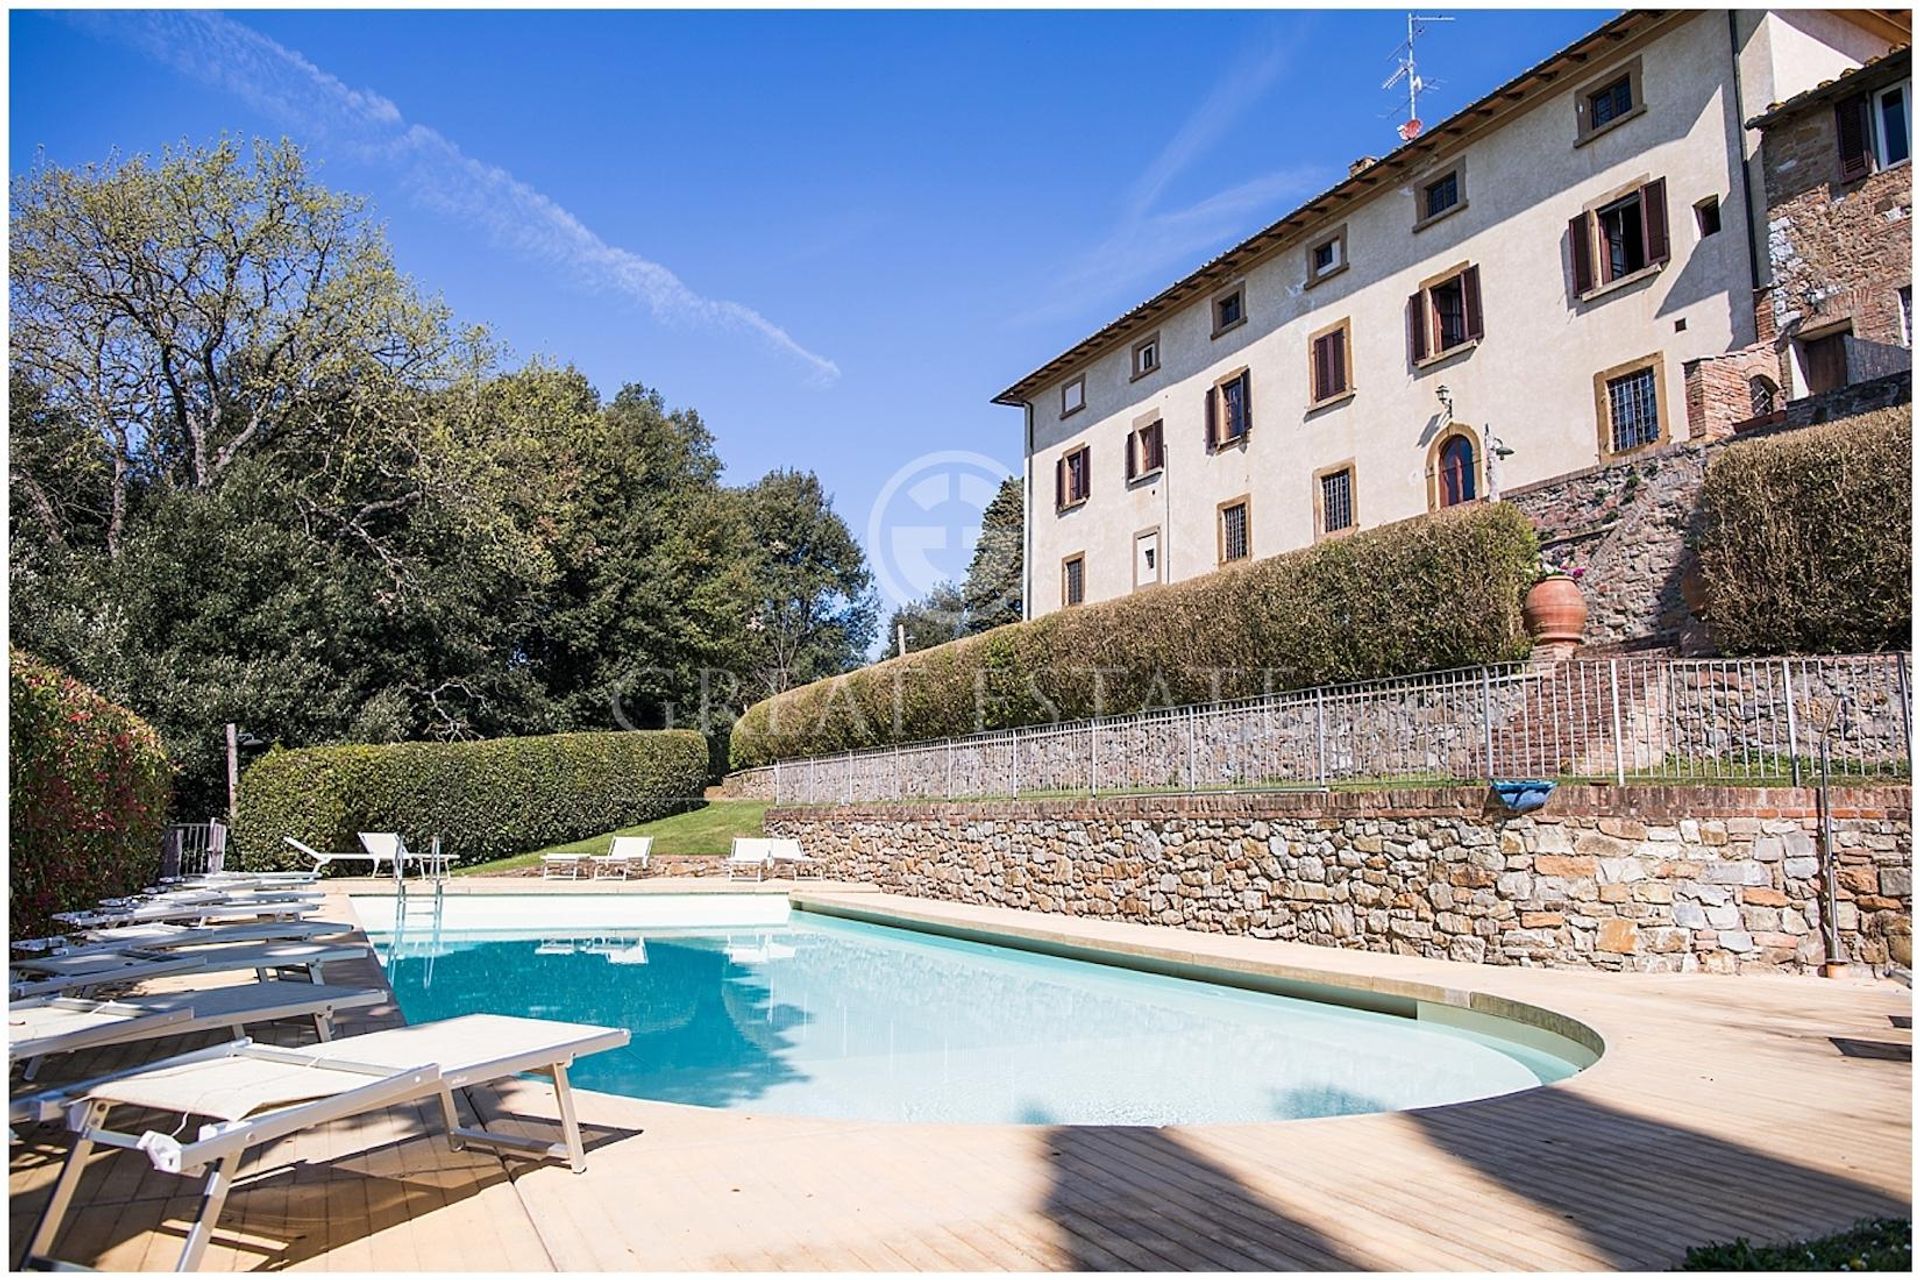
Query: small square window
point(1229, 310)
point(1336, 500)
point(1327, 256)
point(1236, 531)
point(1073, 396)
point(1146, 356)
point(1706, 215)
point(1073, 580)
point(1146, 558)
point(1605, 105)
point(1441, 195)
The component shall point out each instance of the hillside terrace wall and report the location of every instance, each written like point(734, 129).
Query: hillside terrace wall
point(1644, 878)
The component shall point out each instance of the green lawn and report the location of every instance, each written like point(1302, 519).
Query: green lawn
point(704, 832)
point(1880, 1244)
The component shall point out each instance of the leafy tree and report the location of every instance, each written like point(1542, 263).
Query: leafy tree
point(814, 609)
point(992, 591)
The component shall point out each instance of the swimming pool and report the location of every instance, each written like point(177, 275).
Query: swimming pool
point(814, 1015)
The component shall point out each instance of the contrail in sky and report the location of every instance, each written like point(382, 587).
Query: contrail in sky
point(281, 83)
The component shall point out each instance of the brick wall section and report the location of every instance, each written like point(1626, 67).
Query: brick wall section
point(1839, 251)
point(1720, 390)
point(1661, 879)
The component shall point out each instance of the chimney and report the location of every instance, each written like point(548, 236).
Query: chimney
point(1361, 165)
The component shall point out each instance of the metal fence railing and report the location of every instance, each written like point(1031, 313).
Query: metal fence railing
point(1629, 719)
point(193, 849)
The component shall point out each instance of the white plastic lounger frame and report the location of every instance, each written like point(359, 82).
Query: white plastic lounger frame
point(750, 853)
point(389, 845)
point(110, 969)
point(561, 866)
point(321, 861)
point(471, 1050)
point(625, 853)
point(65, 973)
point(192, 913)
point(165, 937)
point(787, 853)
point(42, 1028)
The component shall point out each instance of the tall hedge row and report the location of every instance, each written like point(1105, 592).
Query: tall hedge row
point(1431, 593)
point(485, 799)
point(87, 786)
point(1806, 539)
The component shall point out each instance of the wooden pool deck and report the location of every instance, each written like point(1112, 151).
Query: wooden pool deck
point(1770, 1107)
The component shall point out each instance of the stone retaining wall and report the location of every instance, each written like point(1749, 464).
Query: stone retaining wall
point(1662, 879)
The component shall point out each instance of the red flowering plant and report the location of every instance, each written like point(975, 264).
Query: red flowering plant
point(88, 785)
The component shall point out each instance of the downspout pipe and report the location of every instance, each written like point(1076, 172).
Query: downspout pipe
point(1746, 171)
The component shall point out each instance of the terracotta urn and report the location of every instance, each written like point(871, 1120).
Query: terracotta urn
point(1555, 612)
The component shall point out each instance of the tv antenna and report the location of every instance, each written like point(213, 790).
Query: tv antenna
point(1409, 71)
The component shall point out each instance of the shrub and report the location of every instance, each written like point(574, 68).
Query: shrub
point(1441, 591)
point(87, 787)
point(485, 800)
point(1806, 539)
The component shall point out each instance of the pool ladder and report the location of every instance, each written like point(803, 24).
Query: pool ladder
point(403, 906)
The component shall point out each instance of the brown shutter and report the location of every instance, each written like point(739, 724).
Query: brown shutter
point(1213, 424)
point(1322, 378)
point(1246, 404)
point(1417, 326)
point(1854, 127)
point(1135, 446)
point(1653, 221)
point(1086, 472)
point(1470, 299)
point(1059, 482)
point(1337, 361)
point(1580, 250)
point(1156, 456)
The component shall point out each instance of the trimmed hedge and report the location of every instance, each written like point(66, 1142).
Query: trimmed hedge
point(1806, 539)
point(487, 799)
point(1426, 594)
point(87, 785)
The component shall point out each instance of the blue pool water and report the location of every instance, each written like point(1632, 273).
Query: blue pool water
point(827, 1017)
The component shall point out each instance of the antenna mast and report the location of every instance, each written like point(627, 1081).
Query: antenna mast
point(1407, 69)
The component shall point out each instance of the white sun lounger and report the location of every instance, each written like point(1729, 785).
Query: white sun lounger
point(749, 854)
point(786, 853)
point(41, 1028)
point(622, 856)
point(561, 866)
point(258, 1095)
point(390, 846)
point(64, 974)
point(163, 937)
point(75, 975)
point(321, 861)
point(193, 912)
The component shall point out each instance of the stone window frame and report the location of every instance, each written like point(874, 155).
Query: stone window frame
point(1455, 430)
point(1159, 558)
point(1320, 531)
point(1216, 411)
point(1315, 400)
point(1651, 192)
point(1458, 170)
point(1603, 406)
point(1237, 289)
point(1336, 236)
point(1080, 381)
point(1584, 130)
point(1428, 318)
point(1878, 117)
point(1244, 500)
point(1066, 596)
point(1133, 360)
point(1137, 472)
point(1064, 499)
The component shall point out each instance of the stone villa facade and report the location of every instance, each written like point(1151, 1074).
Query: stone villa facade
point(1577, 271)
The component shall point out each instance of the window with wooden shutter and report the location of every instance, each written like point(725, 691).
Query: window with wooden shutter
point(1580, 252)
point(1229, 410)
point(1853, 123)
point(1445, 315)
point(1630, 235)
point(1653, 221)
point(1073, 477)
point(1145, 452)
point(1328, 364)
point(1059, 483)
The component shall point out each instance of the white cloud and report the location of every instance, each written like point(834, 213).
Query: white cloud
point(281, 83)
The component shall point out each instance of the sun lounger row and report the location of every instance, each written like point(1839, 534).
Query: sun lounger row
point(624, 856)
point(378, 848)
point(756, 855)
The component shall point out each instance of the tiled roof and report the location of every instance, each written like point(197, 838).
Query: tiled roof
point(1872, 73)
point(1517, 93)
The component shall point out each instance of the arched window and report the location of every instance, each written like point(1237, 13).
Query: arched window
point(1762, 393)
point(1457, 478)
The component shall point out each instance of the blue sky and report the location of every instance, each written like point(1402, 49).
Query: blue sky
point(837, 235)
